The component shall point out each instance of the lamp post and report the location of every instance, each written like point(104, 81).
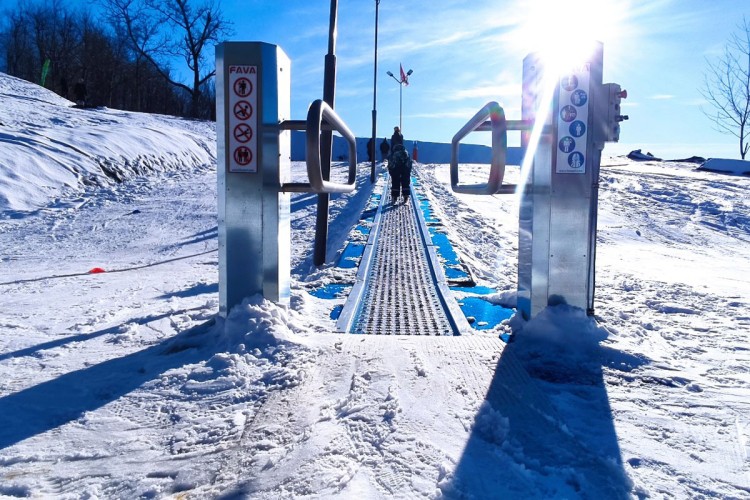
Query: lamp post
point(404, 80)
point(326, 140)
point(375, 98)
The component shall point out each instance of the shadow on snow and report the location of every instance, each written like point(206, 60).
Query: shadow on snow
point(545, 430)
point(48, 405)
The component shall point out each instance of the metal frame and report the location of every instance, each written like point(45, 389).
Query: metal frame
point(498, 127)
point(559, 200)
point(558, 211)
point(318, 111)
point(253, 214)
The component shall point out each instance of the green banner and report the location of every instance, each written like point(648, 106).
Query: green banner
point(45, 71)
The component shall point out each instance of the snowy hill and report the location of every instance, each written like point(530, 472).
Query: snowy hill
point(125, 384)
point(51, 148)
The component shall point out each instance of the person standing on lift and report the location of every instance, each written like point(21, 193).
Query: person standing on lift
point(399, 168)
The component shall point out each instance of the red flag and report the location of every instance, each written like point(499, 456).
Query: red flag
point(404, 76)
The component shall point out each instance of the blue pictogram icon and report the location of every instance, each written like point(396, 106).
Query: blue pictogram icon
point(575, 160)
point(567, 144)
point(579, 97)
point(568, 113)
point(577, 128)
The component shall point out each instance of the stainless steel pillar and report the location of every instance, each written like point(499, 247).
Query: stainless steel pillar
point(557, 220)
point(253, 85)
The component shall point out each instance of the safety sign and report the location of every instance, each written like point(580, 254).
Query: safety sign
point(577, 128)
point(243, 132)
point(243, 119)
point(243, 110)
point(242, 155)
point(573, 94)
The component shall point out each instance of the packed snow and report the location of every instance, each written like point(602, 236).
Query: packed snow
point(126, 383)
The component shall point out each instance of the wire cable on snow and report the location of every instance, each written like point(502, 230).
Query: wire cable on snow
point(125, 269)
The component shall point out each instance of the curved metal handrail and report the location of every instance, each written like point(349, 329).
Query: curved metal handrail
point(498, 127)
point(318, 111)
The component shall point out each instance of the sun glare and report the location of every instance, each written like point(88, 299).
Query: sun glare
point(564, 33)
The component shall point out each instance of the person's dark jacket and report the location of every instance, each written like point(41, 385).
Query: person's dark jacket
point(400, 159)
point(384, 147)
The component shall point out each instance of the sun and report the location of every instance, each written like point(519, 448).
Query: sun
point(564, 35)
point(564, 32)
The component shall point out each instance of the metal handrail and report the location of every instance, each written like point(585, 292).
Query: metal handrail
point(319, 111)
point(498, 127)
point(302, 125)
point(523, 125)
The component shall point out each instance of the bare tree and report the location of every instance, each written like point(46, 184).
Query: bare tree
point(138, 27)
point(39, 32)
point(18, 46)
point(727, 88)
point(161, 30)
point(56, 36)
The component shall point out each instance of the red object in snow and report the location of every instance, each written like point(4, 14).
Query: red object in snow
point(97, 270)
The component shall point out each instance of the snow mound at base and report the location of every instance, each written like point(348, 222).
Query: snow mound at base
point(561, 339)
point(257, 323)
point(507, 299)
point(561, 325)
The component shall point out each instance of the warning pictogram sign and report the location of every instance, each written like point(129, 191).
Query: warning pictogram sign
point(243, 156)
point(568, 113)
point(573, 99)
point(243, 87)
point(243, 110)
point(567, 144)
point(242, 118)
point(243, 132)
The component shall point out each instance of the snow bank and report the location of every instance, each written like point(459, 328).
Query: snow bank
point(51, 147)
point(725, 165)
point(638, 155)
point(561, 325)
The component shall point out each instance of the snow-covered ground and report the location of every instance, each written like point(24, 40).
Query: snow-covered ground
point(125, 384)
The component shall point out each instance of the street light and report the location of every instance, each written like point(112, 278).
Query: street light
point(374, 98)
point(404, 80)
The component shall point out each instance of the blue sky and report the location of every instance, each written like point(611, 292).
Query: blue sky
point(465, 54)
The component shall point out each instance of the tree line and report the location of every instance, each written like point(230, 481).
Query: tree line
point(124, 54)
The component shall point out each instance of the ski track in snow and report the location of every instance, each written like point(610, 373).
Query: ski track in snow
point(126, 384)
